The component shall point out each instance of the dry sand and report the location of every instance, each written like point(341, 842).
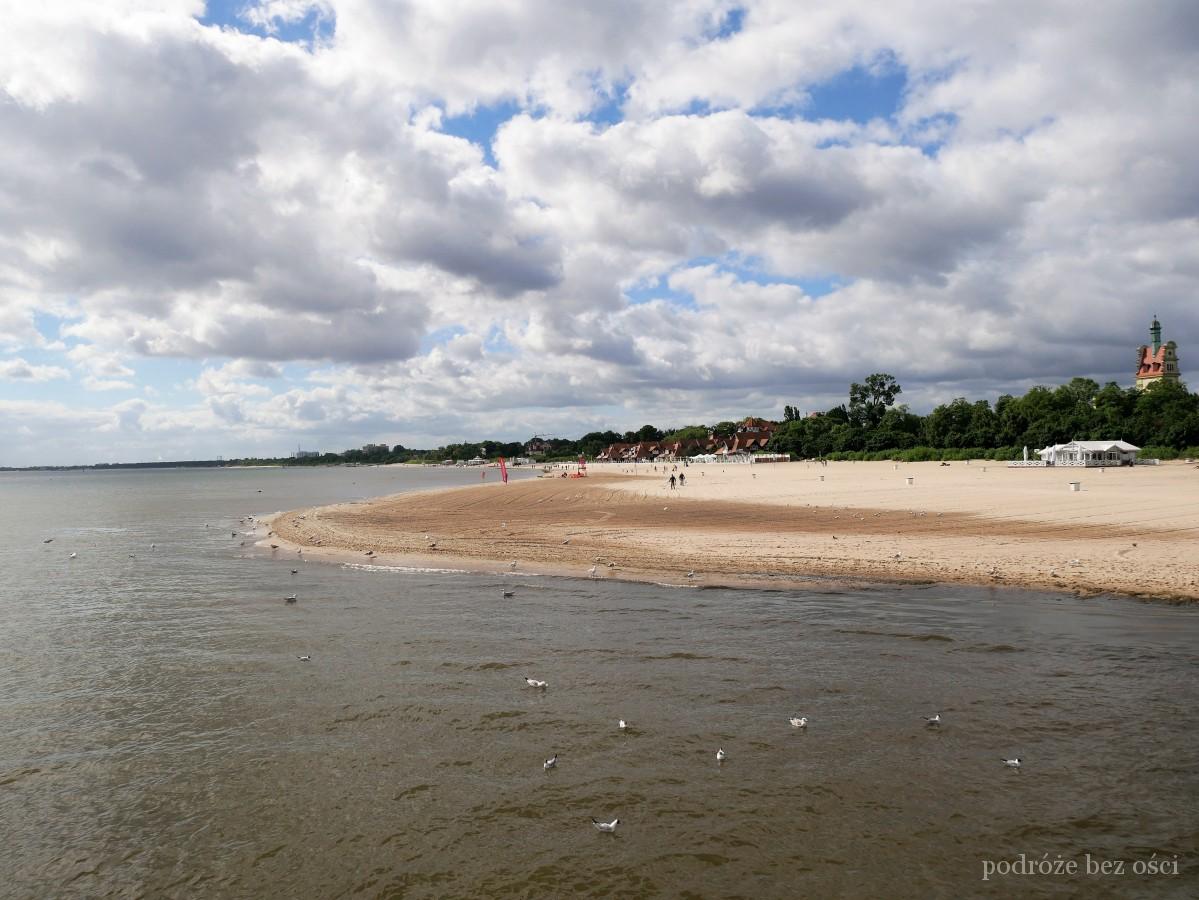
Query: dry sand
point(1131, 531)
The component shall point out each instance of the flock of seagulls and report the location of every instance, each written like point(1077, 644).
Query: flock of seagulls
point(721, 754)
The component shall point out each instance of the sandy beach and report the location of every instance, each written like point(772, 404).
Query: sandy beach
point(1129, 531)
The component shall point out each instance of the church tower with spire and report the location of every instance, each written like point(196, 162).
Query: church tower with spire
point(1158, 362)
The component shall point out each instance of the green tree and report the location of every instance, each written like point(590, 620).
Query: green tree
point(869, 401)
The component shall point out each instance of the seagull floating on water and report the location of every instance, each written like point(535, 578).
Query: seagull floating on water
point(720, 754)
point(295, 571)
point(623, 725)
point(290, 599)
point(1013, 763)
point(304, 658)
point(934, 719)
point(606, 827)
point(550, 763)
point(509, 594)
point(533, 682)
point(72, 556)
point(799, 721)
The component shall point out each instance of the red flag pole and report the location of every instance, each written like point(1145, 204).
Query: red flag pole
point(503, 471)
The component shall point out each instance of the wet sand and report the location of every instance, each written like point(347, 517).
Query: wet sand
point(1128, 531)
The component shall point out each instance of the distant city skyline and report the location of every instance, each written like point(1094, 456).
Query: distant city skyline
point(232, 227)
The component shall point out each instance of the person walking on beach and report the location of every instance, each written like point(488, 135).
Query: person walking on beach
point(672, 482)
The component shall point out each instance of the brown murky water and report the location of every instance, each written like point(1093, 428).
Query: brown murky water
point(159, 737)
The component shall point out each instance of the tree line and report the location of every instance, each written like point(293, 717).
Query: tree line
point(1163, 420)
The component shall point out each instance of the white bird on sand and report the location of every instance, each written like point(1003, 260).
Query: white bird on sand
point(72, 556)
point(622, 725)
point(591, 571)
point(290, 598)
point(1013, 763)
point(799, 721)
point(533, 682)
point(606, 827)
point(304, 658)
point(691, 574)
point(721, 755)
point(934, 719)
point(550, 763)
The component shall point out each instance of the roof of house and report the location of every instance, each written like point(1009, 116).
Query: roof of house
point(1094, 446)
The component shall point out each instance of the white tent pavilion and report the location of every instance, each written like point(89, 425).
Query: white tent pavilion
point(1090, 453)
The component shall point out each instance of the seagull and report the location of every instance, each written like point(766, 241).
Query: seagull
point(591, 571)
point(509, 594)
point(533, 682)
point(48, 540)
point(799, 721)
point(304, 658)
point(153, 546)
point(720, 754)
point(72, 556)
point(550, 763)
point(274, 546)
point(934, 719)
point(622, 725)
point(1013, 763)
point(607, 827)
point(691, 574)
point(295, 571)
point(290, 598)
point(512, 565)
point(565, 542)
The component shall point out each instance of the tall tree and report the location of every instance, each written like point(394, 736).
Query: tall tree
point(868, 402)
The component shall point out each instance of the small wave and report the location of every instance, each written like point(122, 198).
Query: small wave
point(991, 648)
point(404, 570)
point(493, 665)
point(896, 634)
point(17, 776)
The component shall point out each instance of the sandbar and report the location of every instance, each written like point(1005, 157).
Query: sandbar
point(1132, 531)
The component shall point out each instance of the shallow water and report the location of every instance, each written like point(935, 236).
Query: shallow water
point(159, 737)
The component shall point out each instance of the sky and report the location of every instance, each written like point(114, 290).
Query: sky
point(247, 226)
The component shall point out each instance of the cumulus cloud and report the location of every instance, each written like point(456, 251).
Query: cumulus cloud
point(672, 227)
point(19, 370)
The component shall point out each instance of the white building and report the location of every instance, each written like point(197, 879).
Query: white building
point(1090, 453)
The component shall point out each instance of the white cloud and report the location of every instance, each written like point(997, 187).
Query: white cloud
point(244, 204)
point(19, 370)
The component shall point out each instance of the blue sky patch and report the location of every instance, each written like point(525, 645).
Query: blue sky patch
point(440, 336)
point(480, 125)
point(312, 28)
point(859, 94)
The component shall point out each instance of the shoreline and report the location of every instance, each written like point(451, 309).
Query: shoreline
point(781, 527)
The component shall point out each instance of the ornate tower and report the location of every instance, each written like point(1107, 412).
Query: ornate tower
point(1159, 362)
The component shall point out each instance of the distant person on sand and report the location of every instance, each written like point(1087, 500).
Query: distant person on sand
point(672, 482)
point(682, 479)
